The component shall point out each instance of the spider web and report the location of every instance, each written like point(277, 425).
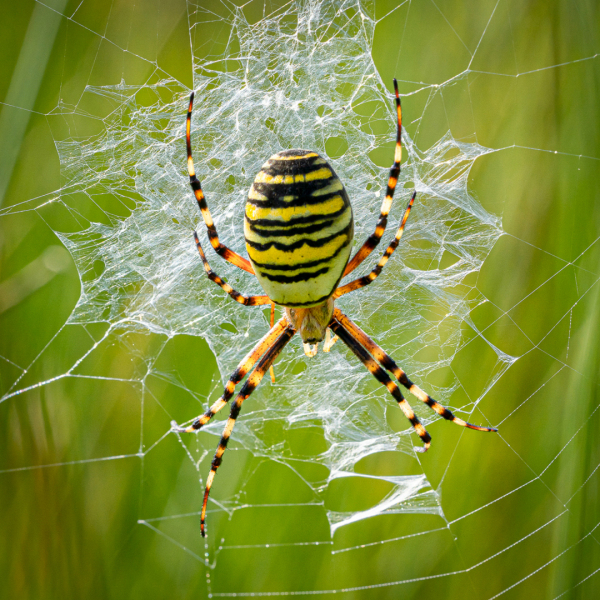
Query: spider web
point(303, 75)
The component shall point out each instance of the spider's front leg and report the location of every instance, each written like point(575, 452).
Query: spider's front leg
point(222, 250)
point(373, 240)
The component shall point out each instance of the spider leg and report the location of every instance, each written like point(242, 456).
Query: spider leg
point(272, 370)
point(222, 250)
point(374, 239)
point(383, 378)
point(242, 370)
point(388, 363)
point(251, 383)
point(246, 300)
point(367, 279)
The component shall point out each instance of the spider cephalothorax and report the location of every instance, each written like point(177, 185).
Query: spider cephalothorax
point(298, 227)
point(311, 323)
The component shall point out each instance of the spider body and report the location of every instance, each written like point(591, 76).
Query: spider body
point(298, 229)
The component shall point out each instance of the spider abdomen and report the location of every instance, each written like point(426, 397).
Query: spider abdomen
point(298, 227)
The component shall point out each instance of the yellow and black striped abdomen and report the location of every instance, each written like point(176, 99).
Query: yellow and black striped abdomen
point(298, 228)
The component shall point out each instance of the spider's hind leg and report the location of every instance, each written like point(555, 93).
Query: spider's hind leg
point(251, 384)
point(242, 370)
point(388, 363)
point(383, 378)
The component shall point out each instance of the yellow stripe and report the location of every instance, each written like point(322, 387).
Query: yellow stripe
point(420, 429)
point(296, 234)
point(227, 433)
point(330, 206)
point(336, 186)
point(254, 195)
point(209, 482)
point(323, 173)
point(398, 154)
point(263, 177)
point(303, 254)
point(279, 157)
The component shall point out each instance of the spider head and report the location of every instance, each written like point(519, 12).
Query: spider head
point(311, 323)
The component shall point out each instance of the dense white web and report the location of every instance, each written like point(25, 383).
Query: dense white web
point(301, 76)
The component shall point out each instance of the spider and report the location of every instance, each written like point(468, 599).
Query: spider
point(298, 228)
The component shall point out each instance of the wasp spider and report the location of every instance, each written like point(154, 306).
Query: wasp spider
point(298, 228)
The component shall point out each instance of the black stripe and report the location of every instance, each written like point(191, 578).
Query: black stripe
point(293, 167)
point(290, 231)
point(446, 414)
point(295, 221)
point(306, 241)
point(296, 164)
point(301, 191)
point(294, 278)
point(297, 266)
point(312, 302)
point(302, 197)
point(295, 152)
point(236, 408)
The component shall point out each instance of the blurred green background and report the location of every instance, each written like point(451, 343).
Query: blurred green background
point(72, 531)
